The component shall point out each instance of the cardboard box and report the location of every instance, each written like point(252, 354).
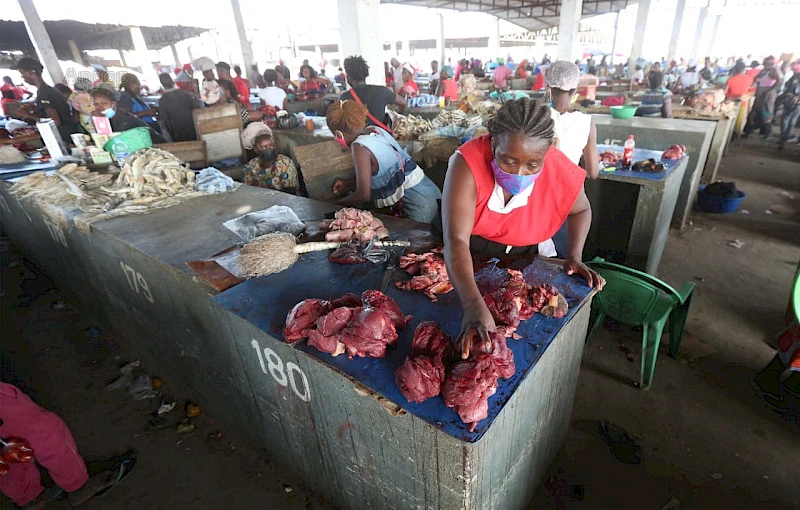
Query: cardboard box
point(102, 125)
point(99, 156)
point(80, 140)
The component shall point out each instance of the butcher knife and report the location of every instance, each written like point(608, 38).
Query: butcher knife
point(390, 265)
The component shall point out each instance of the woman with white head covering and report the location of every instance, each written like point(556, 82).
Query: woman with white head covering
point(575, 132)
point(410, 87)
point(268, 169)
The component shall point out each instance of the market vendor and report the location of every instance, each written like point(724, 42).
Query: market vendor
point(374, 97)
point(49, 101)
point(131, 101)
point(313, 85)
point(502, 73)
point(447, 85)
point(508, 193)
point(386, 176)
point(410, 87)
point(12, 93)
point(105, 105)
point(268, 169)
point(739, 82)
point(657, 101)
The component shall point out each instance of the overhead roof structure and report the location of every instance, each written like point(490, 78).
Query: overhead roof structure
point(528, 14)
point(91, 36)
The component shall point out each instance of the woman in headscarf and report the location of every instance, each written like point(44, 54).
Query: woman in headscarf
point(492, 207)
point(268, 169)
point(522, 70)
point(386, 176)
point(477, 69)
point(410, 87)
point(131, 101)
point(447, 85)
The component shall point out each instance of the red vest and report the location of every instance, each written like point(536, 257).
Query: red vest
point(548, 206)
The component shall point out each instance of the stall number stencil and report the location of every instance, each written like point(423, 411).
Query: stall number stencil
point(283, 375)
point(56, 232)
point(136, 281)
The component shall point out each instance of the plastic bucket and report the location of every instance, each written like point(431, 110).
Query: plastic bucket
point(718, 205)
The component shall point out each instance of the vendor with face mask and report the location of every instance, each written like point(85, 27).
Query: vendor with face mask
point(105, 105)
point(268, 169)
point(508, 193)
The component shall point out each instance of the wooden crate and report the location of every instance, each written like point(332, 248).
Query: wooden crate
point(221, 128)
point(322, 163)
point(195, 152)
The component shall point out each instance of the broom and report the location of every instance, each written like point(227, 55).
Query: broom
point(276, 252)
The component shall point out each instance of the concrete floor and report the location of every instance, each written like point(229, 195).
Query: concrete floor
point(707, 441)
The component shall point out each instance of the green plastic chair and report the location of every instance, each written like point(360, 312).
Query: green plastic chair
point(639, 299)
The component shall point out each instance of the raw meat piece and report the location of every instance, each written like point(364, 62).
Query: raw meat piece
point(302, 317)
point(387, 305)
point(368, 333)
point(610, 157)
point(674, 152)
point(333, 322)
point(330, 344)
point(353, 224)
point(349, 300)
point(428, 271)
point(348, 253)
point(429, 340)
point(469, 386)
point(503, 307)
point(520, 289)
point(420, 378)
point(546, 297)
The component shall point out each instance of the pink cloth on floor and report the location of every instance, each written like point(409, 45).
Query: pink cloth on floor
point(52, 443)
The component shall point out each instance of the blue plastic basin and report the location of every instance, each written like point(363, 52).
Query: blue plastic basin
point(718, 205)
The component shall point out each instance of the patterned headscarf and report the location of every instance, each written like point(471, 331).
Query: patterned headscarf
point(253, 131)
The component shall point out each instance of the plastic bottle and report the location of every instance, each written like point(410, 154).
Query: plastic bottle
point(121, 151)
point(627, 155)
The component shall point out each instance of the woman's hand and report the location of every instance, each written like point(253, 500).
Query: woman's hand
point(478, 322)
point(593, 278)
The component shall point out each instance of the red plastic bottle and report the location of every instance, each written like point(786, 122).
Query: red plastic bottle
point(627, 155)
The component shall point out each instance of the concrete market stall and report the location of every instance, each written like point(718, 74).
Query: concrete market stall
point(326, 420)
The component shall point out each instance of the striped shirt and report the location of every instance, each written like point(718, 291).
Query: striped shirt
point(653, 102)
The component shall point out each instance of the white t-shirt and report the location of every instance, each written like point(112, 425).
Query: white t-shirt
point(272, 96)
point(572, 131)
point(637, 78)
point(689, 79)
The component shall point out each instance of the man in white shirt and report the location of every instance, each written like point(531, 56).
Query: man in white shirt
point(637, 78)
point(271, 94)
point(689, 78)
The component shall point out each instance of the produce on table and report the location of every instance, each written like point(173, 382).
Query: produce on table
point(456, 118)
point(674, 152)
point(152, 173)
point(407, 127)
point(649, 166)
point(71, 184)
point(353, 224)
point(421, 376)
point(363, 326)
point(609, 157)
point(428, 271)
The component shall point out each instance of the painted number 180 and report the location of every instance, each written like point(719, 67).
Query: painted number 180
point(136, 281)
point(275, 367)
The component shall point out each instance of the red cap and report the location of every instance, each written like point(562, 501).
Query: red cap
point(187, 67)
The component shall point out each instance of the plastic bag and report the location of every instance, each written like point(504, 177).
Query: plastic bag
point(277, 218)
point(210, 180)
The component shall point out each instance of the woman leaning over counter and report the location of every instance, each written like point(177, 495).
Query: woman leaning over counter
point(509, 192)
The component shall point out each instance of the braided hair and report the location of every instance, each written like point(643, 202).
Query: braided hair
point(346, 116)
point(356, 68)
point(525, 116)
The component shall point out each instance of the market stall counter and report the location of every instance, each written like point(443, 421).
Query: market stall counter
point(631, 211)
point(339, 424)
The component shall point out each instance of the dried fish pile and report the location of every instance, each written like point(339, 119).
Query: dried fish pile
point(10, 155)
point(152, 173)
point(484, 107)
point(407, 127)
point(70, 184)
point(456, 118)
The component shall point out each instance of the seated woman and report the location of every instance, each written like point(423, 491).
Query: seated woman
point(131, 101)
point(492, 207)
point(105, 105)
point(268, 169)
point(272, 94)
point(657, 101)
point(410, 87)
point(229, 95)
point(313, 86)
point(386, 176)
point(447, 85)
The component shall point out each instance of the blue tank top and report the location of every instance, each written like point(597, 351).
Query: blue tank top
point(394, 165)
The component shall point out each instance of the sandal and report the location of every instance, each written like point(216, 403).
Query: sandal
point(102, 483)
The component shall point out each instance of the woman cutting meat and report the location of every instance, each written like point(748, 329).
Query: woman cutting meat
point(509, 192)
point(386, 175)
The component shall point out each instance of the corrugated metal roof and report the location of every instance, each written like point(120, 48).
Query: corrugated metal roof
point(528, 14)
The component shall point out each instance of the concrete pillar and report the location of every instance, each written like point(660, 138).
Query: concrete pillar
point(698, 33)
point(713, 35)
point(440, 41)
point(175, 57)
point(41, 41)
point(142, 57)
point(639, 31)
point(568, 27)
point(614, 42)
point(405, 51)
point(358, 28)
point(189, 51)
point(76, 52)
point(122, 58)
point(677, 21)
point(247, 50)
point(494, 40)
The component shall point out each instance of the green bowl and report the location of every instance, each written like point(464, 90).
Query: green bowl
point(623, 112)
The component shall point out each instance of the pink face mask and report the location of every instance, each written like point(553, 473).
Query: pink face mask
point(341, 142)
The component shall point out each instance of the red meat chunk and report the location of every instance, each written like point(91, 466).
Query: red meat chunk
point(541, 297)
point(331, 344)
point(335, 321)
point(429, 340)
point(420, 377)
point(369, 333)
point(387, 305)
point(503, 307)
point(302, 317)
point(469, 386)
point(349, 300)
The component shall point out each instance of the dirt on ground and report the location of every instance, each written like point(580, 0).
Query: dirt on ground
point(706, 439)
